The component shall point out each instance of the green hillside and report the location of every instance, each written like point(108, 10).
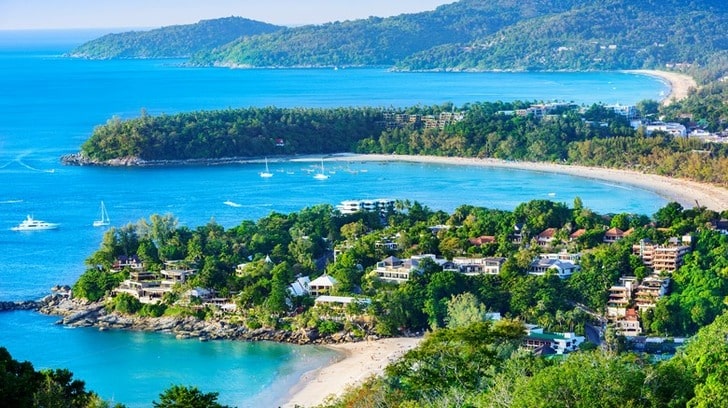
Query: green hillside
point(178, 41)
point(379, 41)
point(602, 35)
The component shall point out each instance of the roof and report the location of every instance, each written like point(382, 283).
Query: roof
point(324, 280)
point(547, 233)
point(577, 233)
point(340, 299)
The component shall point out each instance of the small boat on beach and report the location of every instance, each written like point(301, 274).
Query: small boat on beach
point(31, 224)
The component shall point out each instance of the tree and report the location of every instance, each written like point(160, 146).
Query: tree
point(178, 396)
point(591, 379)
point(464, 309)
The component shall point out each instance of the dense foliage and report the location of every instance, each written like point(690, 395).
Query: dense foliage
point(603, 35)
point(179, 41)
point(279, 247)
point(695, 377)
point(22, 386)
point(233, 133)
point(377, 41)
point(468, 34)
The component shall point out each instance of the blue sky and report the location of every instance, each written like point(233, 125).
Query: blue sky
point(53, 14)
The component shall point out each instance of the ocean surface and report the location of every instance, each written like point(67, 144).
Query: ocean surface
point(49, 104)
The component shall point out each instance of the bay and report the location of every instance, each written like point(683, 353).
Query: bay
point(49, 105)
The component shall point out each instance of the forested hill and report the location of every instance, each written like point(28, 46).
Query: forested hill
point(465, 35)
point(379, 41)
point(598, 35)
point(180, 41)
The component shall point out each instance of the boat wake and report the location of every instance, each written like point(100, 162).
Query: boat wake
point(11, 201)
point(19, 160)
point(232, 204)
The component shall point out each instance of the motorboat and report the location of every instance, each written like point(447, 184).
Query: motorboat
point(31, 224)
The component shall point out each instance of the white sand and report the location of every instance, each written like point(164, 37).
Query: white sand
point(680, 84)
point(359, 361)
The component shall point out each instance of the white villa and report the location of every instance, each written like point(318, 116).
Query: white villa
point(478, 266)
point(393, 269)
point(321, 285)
point(562, 269)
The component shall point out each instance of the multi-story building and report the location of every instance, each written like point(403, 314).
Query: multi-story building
point(393, 269)
point(649, 291)
point(660, 258)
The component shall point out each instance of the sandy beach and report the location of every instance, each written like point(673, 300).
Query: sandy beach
point(364, 359)
point(680, 84)
point(359, 361)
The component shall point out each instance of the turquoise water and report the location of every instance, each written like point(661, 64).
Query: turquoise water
point(50, 104)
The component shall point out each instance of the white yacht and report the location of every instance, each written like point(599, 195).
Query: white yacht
point(30, 224)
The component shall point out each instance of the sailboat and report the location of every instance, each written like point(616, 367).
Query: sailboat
point(321, 175)
point(104, 221)
point(266, 173)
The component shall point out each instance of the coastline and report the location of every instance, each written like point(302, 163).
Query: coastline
point(680, 84)
point(685, 192)
point(358, 362)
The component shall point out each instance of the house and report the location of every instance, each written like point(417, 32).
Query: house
point(561, 343)
point(649, 291)
point(124, 261)
point(175, 272)
point(562, 256)
point(613, 235)
point(660, 258)
point(300, 286)
point(481, 240)
point(336, 307)
point(393, 269)
point(674, 129)
point(321, 285)
point(577, 234)
point(478, 266)
point(562, 269)
point(547, 237)
point(629, 325)
point(517, 235)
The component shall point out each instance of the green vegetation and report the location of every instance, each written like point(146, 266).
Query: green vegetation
point(180, 41)
point(22, 386)
point(468, 34)
point(253, 264)
point(450, 369)
point(377, 41)
point(588, 135)
point(233, 133)
point(604, 35)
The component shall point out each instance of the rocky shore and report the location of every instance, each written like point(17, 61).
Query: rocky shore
point(81, 313)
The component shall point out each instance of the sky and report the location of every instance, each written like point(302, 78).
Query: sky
point(66, 14)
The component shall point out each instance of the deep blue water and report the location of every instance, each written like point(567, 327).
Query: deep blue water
point(49, 105)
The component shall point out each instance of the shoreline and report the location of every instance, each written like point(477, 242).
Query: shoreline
point(685, 192)
point(680, 84)
point(358, 361)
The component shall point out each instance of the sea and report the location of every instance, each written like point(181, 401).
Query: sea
point(50, 104)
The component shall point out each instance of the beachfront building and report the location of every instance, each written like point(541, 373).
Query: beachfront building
point(661, 258)
point(478, 266)
point(562, 269)
point(395, 270)
point(671, 128)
